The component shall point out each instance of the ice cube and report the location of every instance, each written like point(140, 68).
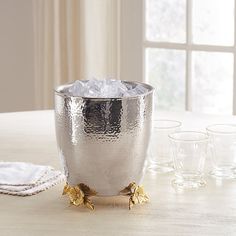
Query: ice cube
point(78, 87)
point(140, 89)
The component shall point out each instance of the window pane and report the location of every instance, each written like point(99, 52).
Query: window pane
point(166, 72)
point(212, 82)
point(213, 22)
point(165, 20)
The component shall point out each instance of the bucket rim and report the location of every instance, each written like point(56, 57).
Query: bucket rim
point(60, 90)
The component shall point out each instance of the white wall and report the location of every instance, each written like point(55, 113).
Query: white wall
point(16, 55)
point(118, 39)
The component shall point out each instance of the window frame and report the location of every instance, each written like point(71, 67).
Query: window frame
point(188, 47)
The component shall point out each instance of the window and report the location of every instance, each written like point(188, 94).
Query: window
point(189, 50)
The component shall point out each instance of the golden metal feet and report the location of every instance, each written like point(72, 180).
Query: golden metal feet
point(136, 194)
point(79, 195)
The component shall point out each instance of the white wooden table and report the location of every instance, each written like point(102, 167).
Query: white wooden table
point(29, 136)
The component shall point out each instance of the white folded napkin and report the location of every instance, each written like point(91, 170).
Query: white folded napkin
point(25, 179)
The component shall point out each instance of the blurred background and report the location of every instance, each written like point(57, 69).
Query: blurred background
point(185, 48)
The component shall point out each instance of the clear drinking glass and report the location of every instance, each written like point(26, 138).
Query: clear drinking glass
point(160, 157)
point(222, 143)
point(189, 150)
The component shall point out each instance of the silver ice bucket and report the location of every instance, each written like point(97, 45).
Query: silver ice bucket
point(103, 142)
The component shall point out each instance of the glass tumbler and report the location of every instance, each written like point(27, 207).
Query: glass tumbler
point(189, 150)
point(222, 144)
point(160, 160)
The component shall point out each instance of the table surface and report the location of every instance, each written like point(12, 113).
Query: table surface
point(30, 137)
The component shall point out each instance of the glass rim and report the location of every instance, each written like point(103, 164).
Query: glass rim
point(203, 139)
point(177, 124)
point(210, 130)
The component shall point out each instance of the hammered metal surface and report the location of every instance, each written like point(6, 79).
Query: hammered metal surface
point(103, 142)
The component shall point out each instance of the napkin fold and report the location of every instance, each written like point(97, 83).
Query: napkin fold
point(26, 179)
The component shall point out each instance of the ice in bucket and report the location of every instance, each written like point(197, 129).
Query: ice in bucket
point(103, 129)
point(107, 88)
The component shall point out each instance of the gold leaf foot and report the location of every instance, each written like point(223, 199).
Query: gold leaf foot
point(136, 194)
point(79, 195)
